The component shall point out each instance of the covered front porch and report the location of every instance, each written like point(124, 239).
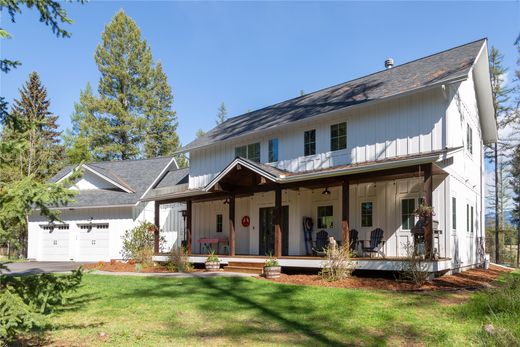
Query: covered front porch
point(251, 210)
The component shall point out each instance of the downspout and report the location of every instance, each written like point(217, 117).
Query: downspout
point(497, 241)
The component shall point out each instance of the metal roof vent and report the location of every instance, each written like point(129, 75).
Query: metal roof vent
point(389, 63)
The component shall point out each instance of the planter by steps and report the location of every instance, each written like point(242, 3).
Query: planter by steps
point(272, 271)
point(272, 268)
point(212, 262)
point(212, 266)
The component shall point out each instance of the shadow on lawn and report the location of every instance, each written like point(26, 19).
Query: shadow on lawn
point(247, 310)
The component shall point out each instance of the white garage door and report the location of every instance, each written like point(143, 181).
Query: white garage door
point(93, 244)
point(55, 243)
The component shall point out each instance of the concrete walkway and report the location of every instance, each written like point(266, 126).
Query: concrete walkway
point(174, 274)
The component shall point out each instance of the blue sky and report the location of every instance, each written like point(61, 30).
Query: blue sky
point(251, 54)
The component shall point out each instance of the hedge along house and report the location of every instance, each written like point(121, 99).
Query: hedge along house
point(107, 204)
point(349, 159)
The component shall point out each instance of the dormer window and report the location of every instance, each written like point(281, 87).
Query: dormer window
point(309, 142)
point(338, 136)
point(251, 151)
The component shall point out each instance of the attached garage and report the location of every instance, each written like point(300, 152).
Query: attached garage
point(55, 242)
point(93, 242)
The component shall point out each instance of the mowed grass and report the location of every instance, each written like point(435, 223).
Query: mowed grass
point(145, 311)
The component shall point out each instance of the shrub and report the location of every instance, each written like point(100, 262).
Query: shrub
point(413, 269)
point(179, 261)
point(138, 243)
point(338, 264)
point(271, 261)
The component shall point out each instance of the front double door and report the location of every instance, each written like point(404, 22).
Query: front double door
point(267, 217)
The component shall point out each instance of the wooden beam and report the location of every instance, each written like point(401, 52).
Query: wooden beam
point(156, 221)
point(345, 208)
point(188, 225)
point(232, 225)
point(428, 193)
point(278, 218)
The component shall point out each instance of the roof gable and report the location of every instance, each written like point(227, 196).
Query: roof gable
point(447, 66)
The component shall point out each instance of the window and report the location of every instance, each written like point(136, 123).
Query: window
point(309, 142)
point(93, 242)
point(55, 227)
point(407, 216)
point(219, 223)
point(367, 210)
point(454, 213)
point(273, 150)
point(325, 217)
point(102, 226)
point(467, 218)
point(55, 242)
point(469, 139)
point(472, 219)
point(338, 136)
point(251, 151)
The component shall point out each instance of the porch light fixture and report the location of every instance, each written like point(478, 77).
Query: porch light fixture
point(226, 202)
point(326, 191)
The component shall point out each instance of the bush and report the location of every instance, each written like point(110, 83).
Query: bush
point(179, 261)
point(413, 268)
point(138, 243)
point(337, 263)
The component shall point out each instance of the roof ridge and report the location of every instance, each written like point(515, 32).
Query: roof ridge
point(128, 160)
point(355, 79)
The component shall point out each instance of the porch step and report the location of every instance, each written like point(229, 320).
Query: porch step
point(244, 269)
point(246, 264)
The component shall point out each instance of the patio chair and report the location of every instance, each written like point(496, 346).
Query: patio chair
point(353, 240)
point(376, 243)
point(322, 241)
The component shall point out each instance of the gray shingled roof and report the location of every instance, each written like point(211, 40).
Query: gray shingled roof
point(437, 68)
point(137, 175)
point(174, 177)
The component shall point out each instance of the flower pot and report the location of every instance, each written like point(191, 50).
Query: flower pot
point(272, 271)
point(212, 266)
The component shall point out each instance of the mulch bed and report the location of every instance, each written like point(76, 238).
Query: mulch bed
point(468, 280)
point(119, 266)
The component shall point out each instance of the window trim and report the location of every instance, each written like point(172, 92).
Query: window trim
point(311, 144)
point(338, 137)
point(318, 219)
point(371, 214)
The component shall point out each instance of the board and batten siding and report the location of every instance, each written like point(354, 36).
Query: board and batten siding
point(399, 127)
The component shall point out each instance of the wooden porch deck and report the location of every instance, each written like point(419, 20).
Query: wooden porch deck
point(315, 262)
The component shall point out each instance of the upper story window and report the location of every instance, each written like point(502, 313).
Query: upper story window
point(367, 211)
point(309, 142)
point(454, 213)
point(338, 136)
point(469, 139)
point(251, 151)
point(273, 150)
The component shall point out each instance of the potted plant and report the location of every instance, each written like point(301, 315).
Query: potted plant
point(212, 262)
point(424, 211)
point(272, 268)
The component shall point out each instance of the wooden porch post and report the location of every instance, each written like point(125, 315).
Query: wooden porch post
point(428, 192)
point(345, 208)
point(278, 218)
point(232, 225)
point(156, 221)
point(188, 226)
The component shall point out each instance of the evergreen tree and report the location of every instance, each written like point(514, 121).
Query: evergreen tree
point(161, 121)
point(30, 122)
point(200, 133)
point(500, 99)
point(78, 139)
point(222, 113)
point(125, 63)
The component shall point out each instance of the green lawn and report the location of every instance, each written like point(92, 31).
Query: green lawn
point(144, 311)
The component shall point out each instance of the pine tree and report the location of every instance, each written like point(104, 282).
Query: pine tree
point(200, 133)
point(500, 99)
point(161, 121)
point(221, 115)
point(78, 139)
point(125, 63)
point(30, 122)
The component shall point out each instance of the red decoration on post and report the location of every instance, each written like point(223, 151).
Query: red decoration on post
point(245, 221)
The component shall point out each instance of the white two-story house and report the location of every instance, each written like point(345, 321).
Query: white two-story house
point(347, 160)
